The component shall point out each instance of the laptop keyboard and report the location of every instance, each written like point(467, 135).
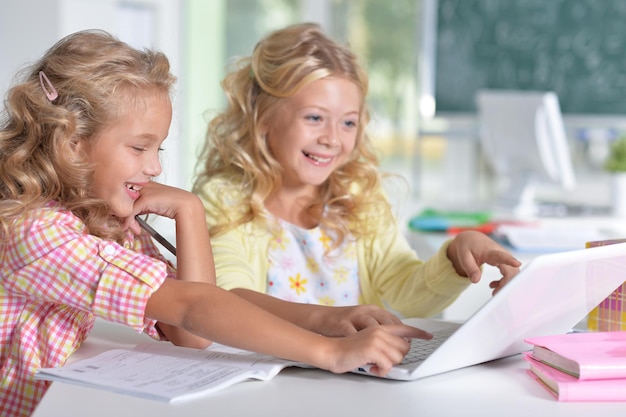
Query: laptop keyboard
point(420, 348)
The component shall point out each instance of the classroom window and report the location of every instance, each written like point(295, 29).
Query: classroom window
point(385, 36)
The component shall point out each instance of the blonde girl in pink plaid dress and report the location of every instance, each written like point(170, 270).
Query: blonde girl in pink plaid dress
point(80, 138)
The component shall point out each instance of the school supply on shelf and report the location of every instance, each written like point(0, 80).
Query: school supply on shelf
point(610, 314)
point(565, 387)
point(164, 372)
point(540, 238)
point(587, 355)
point(432, 220)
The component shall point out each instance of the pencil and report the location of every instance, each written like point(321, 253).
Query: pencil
point(156, 235)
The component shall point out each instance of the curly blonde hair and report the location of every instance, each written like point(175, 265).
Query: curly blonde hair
point(281, 64)
point(97, 78)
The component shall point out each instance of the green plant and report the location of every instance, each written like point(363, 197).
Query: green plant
point(616, 161)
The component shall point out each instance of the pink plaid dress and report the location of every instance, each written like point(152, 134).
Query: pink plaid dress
point(55, 280)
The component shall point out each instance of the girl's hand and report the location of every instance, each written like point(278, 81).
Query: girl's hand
point(380, 346)
point(471, 249)
point(343, 321)
point(324, 320)
point(194, 256)
point(163, 200)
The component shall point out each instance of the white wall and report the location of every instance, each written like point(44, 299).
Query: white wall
point(25, 34)
point(29, 27)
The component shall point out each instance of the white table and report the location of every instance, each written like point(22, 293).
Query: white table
point(499, 388)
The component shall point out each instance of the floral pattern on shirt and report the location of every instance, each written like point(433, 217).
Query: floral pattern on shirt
point(301, 269)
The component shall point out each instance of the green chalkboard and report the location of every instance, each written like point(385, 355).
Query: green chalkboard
point(576, 48)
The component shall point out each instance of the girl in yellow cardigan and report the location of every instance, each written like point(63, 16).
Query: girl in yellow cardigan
point(293, 195)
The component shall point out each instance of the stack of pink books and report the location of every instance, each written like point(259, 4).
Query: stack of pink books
point(580, 366)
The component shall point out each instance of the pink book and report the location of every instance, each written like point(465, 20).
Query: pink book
point(591, 355)
point(565, 387)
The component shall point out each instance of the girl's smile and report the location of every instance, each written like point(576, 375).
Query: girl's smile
point(319, 160)
point(133, 190)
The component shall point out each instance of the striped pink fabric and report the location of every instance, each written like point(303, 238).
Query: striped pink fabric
point(55, 280)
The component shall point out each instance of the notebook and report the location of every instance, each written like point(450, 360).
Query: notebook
point(550, 295)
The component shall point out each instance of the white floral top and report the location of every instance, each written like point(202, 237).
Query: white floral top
point(300, 270)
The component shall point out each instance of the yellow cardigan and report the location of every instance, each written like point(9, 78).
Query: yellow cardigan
point(390, 272)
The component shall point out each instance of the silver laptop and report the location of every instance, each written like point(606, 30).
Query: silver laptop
point(550, 295)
